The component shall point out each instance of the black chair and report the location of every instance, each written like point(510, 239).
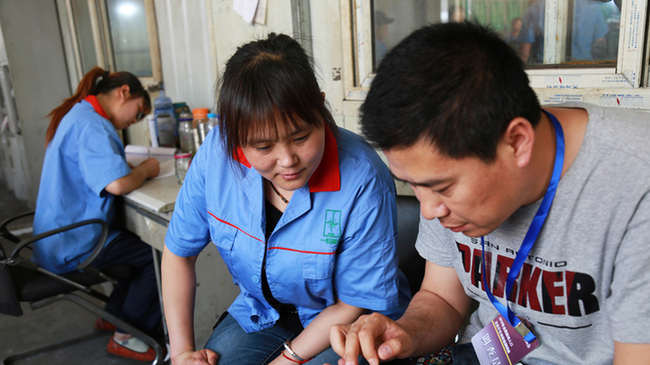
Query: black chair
point(21, 281)
point(410, 261)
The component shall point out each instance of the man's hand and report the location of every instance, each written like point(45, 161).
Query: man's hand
point(200, 357)
point(441, 303)
point(374, 336)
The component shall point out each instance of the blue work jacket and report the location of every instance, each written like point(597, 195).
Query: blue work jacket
point(335, 240)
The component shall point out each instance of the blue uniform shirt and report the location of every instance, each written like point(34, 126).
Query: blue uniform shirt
point(85, 155)
point(589, 24)
point(335, 240)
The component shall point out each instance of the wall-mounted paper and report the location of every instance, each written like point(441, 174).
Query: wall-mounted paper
point(245, 8)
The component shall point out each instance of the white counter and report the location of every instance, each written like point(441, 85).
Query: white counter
point(157, 195)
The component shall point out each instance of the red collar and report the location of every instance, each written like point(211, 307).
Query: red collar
point(92, 99)
point(327, 176)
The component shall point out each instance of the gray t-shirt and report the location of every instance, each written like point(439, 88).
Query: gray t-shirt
point(586, 282)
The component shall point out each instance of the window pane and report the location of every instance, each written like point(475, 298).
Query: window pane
point(592, 32)
point(129, 36)
point(84, 34)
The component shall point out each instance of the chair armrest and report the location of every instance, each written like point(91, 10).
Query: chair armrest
point(5, 232)
point(95, 251)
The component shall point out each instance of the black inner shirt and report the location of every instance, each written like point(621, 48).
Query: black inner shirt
point(273, 215)
point(288, 314)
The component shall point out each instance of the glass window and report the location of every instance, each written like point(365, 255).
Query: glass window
point(129, 36)
point(591, 36)
point(84, 32)
point(594, 31)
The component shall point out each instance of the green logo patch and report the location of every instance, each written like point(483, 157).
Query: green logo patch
point(332, 226)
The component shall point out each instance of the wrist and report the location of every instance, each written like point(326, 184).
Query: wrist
point(147, 172)
point(410, 330)
point(152, 170)
point(291, 355)
point(179, 353)
point(288, 357)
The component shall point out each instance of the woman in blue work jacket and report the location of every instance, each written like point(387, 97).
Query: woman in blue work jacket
point(302, 212)
point(83, 170)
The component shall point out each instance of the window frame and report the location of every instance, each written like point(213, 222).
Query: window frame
point(102, 41)
point(623, 85)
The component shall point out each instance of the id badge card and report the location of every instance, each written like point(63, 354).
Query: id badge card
point(499, 343)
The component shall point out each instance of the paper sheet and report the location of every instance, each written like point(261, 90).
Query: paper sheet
point(260, 14)
point(135, 155)
point(245, 8)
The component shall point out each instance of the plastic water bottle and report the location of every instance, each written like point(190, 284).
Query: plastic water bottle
point(164, 121)
point(163, 104)
point(213, 120)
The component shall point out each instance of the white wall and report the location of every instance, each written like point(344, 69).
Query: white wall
point(3, 51)
point(327, 55)
point(187, 51)
point(40, 80)
point(198, 36)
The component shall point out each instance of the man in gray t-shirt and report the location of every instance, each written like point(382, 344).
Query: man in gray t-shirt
point(453, 112)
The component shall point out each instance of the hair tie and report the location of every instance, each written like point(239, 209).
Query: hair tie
point(100, 80)
point(103, 76)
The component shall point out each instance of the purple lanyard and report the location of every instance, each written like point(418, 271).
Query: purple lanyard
point(531, 235)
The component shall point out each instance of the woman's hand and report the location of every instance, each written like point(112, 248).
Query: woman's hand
point(178, 289)
point(147, 169)
point(200, 357)
point(315, 337)
point(151, 167)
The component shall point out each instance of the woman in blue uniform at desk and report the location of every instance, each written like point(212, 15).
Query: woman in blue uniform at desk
point(301, 211)
point(84, 169)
